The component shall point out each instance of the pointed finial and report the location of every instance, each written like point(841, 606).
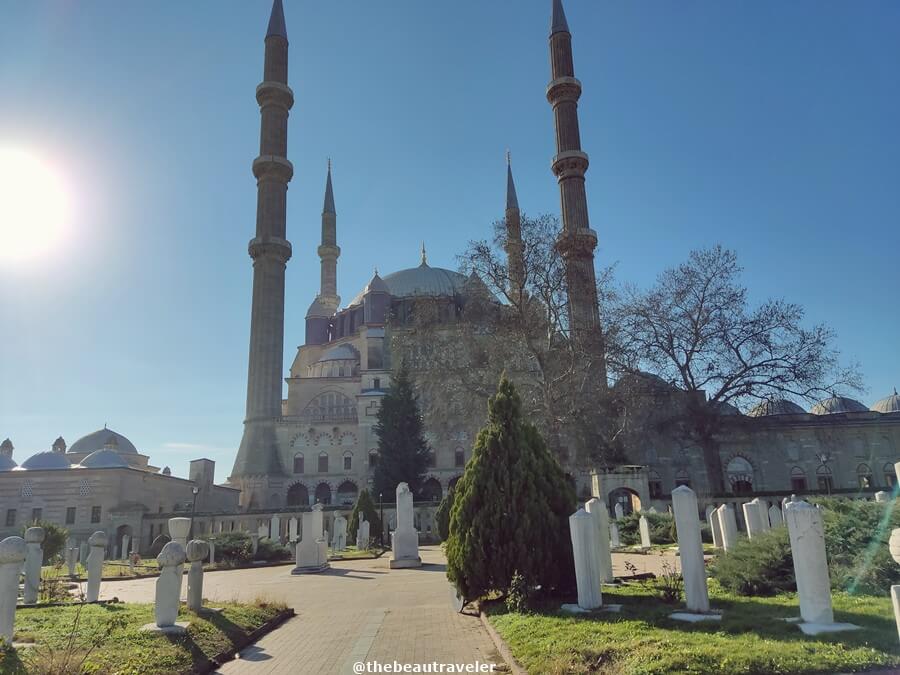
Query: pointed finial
point(424, 257)
point(558, 24)
point(376, 270)
point(512, 201)
point(508, 158)
point(329, 193)
point(277, 25)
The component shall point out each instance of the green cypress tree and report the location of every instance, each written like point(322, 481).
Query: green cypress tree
point(512, 507)
point(365, 506)
point(402, 448)
point(442, 515)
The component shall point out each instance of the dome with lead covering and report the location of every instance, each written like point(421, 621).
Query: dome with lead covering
point(340, 353)
point(103, 459)
point(778, 406)
point(837, 404)
point(423, 281)
point(7, 463)
point(46, 460)
point(889, 404)
point(101, 439)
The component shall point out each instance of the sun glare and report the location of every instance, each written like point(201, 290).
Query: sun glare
point(34, 206)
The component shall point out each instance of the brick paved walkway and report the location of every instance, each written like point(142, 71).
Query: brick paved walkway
point(357, 611)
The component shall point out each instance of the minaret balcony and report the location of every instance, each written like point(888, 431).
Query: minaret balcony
point(270, 247)
point(274, 93)
point(571, 163)
point(272, 167)
point(578, 244)
point(564, 89)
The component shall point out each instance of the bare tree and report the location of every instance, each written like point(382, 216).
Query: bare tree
point(694, 328)
point(521, 328)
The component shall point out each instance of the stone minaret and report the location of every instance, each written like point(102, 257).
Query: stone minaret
point(577, 240)
point(329, 251)
point(515, 264)
point(257, 462)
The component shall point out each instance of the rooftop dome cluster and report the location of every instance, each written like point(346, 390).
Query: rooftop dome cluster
point(103, 448)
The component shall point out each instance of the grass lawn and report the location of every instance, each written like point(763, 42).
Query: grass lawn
point(352, 552)
point(750, 638)
point(121, 648)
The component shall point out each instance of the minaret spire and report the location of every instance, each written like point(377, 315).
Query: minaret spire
point(577, 240)
point(257, 462)
point(515, 263)
point(329, 251)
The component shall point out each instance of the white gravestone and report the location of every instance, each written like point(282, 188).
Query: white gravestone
point(763, 507)
point(775, 517)
point(212, 550)
point(690, 549)
point(254, 543)
point(125, 541)
point(752, 519)
point(83, 550)
point(644, 527)
point(598, 512)
point(196, 553)
point(339, 543)
point(614, 535)
point(263, 530)
point(882, 496)
point(168, 590)
point(619, 511)
point(727, 527)
point(807, 534)
point(97, 542)
point(292, 529)
point(72, 560)
point(312, 550)
point(12, 555)
point(405, 539)
point(179, 528)
point(275, 529)
point(715, 527)
point(893, 546)
point(585, 551)
point(362, 535)
point(34, 557)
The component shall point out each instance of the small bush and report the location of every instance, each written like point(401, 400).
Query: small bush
point(55, 537)
point(761, 566)
point(518, 597)
point(662, 528)
point(234, 548)
point(669, 585)
point(271, 551)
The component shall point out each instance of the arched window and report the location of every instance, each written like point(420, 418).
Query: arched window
point(323, 493)
point(347, 492)
point(890, 475)
point(298, 495)
point(431, 490)
point(459, 458)
point(864, 476)
point(798, 480)
point(740, 475)
point(373, 459)
point(298, 463)
point(330, 406)
point(824, 480)
point(323, 462)
point(348, 461)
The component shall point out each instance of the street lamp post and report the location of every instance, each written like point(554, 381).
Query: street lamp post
point(381, 529)
point(195, 490)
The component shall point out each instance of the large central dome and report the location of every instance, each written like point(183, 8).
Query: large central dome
point(421, 281)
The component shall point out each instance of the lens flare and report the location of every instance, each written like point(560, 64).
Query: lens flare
point(34, 206)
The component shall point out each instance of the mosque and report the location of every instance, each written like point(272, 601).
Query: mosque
point(318, 444)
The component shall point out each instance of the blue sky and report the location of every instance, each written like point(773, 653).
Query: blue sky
point(770, 127)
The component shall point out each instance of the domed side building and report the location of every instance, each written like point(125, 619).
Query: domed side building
point(102, 483)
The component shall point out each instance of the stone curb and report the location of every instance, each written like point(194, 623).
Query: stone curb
point(512, 664)
point(219, 659)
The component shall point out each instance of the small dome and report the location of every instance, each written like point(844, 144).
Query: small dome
point(317, 310)
point(7, 463)
point(59, 445)
point(725, 408)
point(99, 439)
point(342, 352)
point(778, 406)
point(422, 281)
point(376, 285)
point(103, 459)
point(889, 404)
point(46, 460)
point(837, 404)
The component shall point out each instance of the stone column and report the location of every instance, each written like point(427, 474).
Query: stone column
point(619, 511)
point(292, 529)
point(196, 553)
point(775, 517)
point(727, 527)
point(13, 551)
point(97, 542)
point(752, 519)
point(598, 512)
point(644, 527)
point(168, 584)
point(34, 557)
point(807, 535)
point(614, 535)
point(690, 548)
point(585, 552)
point(126, 540)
